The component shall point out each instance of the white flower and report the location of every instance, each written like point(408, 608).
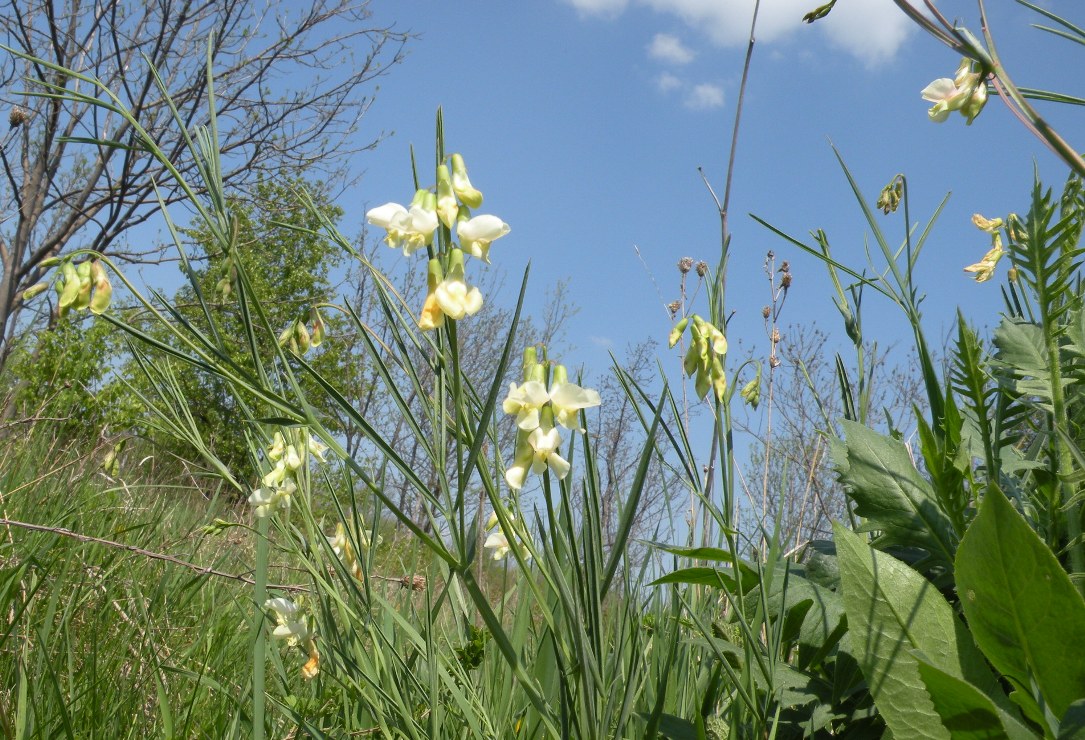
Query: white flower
point(499, 544)
point(477, 233)
point(317, 448)
point(536, 451)
point(292, 458)
point(567, 399)
point(453, 295)
point(270, 499)
point(291, 624)
point(277, 475)
point(525, 401)
point(457, 299)
point(966, 92)
point(278, 446)
point(946, 97)
point(407, 229)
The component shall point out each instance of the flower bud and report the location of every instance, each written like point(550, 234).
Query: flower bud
point(447, 207)
point(468, 195)
point(301, 336)
point(719, 379)
point(69, 285)
point(751, 392)
point(975, 103)
point(103, 291)
point(319, 329)
point(35, 290)
point(677, 331)
point(286, 336)
point(558, 376)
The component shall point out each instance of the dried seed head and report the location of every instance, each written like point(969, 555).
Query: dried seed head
point(702, 268)
point(775, 336)
point(674, 307)
point(415, 583)
point(766, 312)
point(785, 280)
point(774, 361)
point(685, 265)
point(785, 266)
point(770, 255)
point(18, 116)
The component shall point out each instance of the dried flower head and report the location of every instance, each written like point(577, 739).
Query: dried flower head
point(415, 583)
point(774, 361)
point(18, 116)
point(785, 280)
point(685, 265)
point(775, 336)
point(702, 268)
point(766, 312)
point(674, 307)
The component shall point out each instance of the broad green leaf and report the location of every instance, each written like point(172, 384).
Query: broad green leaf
point(1021, 348)
point(966, 711)
point(818, 627)
point(893, 612)
point(676, 728)
point(1072, 726)
point(1024, 612)
point(889, 493)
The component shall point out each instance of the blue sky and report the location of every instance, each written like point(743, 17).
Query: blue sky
point(584, 122)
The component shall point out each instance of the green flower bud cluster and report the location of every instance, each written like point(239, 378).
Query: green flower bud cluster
point(704, 358)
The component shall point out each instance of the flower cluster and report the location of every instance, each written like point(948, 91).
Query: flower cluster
point(985, 268)
point(288, 454)
point(299, 337)
point(414, 227)
point(537, 408)
point(293, 626)
point(704, 358)
point(342, 545)
point(81, 286)
point(966, 93)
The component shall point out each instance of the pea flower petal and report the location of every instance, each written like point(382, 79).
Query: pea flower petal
point(477, 233)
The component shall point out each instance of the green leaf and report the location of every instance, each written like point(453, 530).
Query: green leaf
point(676, 728)
point(701, 576)
point(966, 712)
point(1022, 350)
point(893, 612)
point(889, 493)
point(1024, 612)
point(1072, 726)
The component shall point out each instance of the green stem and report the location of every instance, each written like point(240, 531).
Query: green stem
point(259, 642)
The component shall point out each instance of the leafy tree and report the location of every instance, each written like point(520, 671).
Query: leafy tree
point(290, 271)
point(290, 87)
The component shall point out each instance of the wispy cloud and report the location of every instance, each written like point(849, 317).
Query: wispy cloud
point(599, 7)
point(667, 82)
point(668, 48)
point(604, 342)
point(871, 30)
point(704, 97)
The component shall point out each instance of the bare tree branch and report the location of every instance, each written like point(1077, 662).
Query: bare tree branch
point(291, 87)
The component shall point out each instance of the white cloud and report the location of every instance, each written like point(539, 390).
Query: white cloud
point(871, 30)
point(667, 82)
point(668, 48)
point(705, 96)
point(599, 7)
point(604, 342)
